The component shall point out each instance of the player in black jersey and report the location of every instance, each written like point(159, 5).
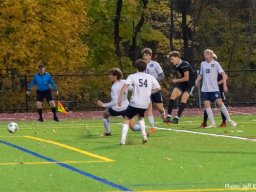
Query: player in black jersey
point(184, 85)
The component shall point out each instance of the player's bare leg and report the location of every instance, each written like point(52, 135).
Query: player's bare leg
point(54, 110)
point(39, 107)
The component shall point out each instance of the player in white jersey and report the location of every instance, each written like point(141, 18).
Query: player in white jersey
point(154, 69)
point(142, 84)
point(115, 75)
point(209, 71)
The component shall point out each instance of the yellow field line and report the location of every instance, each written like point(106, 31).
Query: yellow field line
point(42, 163)
point(201, 190)
point(71, 148)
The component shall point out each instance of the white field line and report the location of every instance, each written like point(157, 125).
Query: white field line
point(208, 134)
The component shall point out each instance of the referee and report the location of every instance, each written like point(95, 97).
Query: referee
point(44, 82)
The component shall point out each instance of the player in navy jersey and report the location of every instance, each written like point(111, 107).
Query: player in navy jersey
point(222, 95)
point(154, 69)
point(44, 82)
point(183, 86)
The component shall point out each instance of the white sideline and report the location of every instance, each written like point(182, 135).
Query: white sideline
point(209, 134)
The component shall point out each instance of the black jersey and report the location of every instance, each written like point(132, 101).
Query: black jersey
point(220, 85)
point(182, 68)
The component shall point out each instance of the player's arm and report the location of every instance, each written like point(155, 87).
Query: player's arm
point(183, 79)
point(221, 81)
point(122, 93)
point(30, 85)
point(54, 86)
point(113, 101)
point(224, 79)
point(160, 73)
point(198, 79)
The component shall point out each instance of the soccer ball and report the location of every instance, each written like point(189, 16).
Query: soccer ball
point(12, 127)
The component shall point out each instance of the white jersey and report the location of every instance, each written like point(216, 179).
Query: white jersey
point(115, 92)
point(154, 69)
point(142, 86)
point(209, 72)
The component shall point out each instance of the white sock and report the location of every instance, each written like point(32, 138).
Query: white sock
point(106, 124)
point(210, 115)
point(151, 121)
point(143, 128)
point(136, 127)
point(225, 112)
point(124, 133)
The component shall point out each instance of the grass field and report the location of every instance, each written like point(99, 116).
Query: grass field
point(72, 155)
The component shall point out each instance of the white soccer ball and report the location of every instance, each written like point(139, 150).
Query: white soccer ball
point(12, 127)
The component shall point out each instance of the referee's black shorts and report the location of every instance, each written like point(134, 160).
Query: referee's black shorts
point(40, 95)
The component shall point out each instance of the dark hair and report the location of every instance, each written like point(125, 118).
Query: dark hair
point(116, 72)
point(141, 65)
point(174, 54)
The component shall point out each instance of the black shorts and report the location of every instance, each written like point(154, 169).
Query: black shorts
point(132, 111)
point(112, 112)
point(184, 87)
point(156, 97)
point(40, 95)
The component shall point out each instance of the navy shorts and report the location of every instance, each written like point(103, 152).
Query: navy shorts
point(112, 112)
point(40, 95)
point(156, 97)
point(132, 111)
point(211, 96)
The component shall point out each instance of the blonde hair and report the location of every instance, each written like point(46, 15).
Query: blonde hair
point(208, 51)
point(214, 56)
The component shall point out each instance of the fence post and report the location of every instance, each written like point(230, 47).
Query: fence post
point(26, 83)
point(199, 92)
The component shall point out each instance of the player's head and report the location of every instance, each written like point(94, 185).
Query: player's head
point(146, 54)
point(214, 56)
point(115, 73)
point(208, 55)
point(41, 68)
point(174, 57)
point(141, 65)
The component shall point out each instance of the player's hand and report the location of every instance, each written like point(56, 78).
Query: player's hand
point(196, 82)
point(57, 93)
point(28, 93)
point(100, 103)
point(175, 80)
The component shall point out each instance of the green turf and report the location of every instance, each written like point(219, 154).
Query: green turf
point(169, 161)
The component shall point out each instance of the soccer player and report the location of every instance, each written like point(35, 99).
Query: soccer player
point(154, 69)
point(143, 84)
point(183, 86)
point(44, 82)
point(222, 95)
point(209, 71)
point(115, 75)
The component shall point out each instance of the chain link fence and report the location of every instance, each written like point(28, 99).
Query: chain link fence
point(81, 92)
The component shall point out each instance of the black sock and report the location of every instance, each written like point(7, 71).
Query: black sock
point(170, 106)
point(205, 116)
point(223, 117)
point(181, 109)
point(54, 110)
point(40, 112)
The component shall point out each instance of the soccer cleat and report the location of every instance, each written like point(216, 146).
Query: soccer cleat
point(223, 124)
point(167, 119)
point(211, 126)
point(107, 134)
point(152, 130)
point(232, 123)
point(40, 119)
point(175, 121)
point(203, 125)
point(122, 142)
point(55, 118)
point(144, 141)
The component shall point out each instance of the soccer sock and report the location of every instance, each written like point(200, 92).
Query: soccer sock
point(124, 133)
point(136, 128)
point(223, 117)
point(40, 112)
point(205, 116)
point(151, 121)
point(170, 106)
point(106, 124)
point(210, 115)
point(181, 109)
point(225, 112)
point(54, 110)
point(143, 128)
